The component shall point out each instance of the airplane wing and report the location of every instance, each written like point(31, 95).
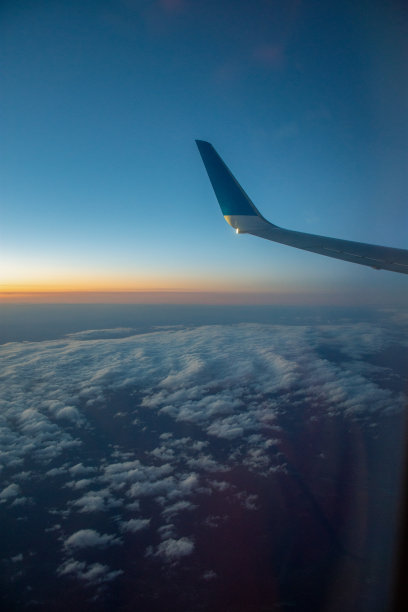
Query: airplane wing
point(241, 214)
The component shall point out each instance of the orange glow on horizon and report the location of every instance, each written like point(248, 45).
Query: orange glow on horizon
point(92, 284)
point(155, 284)
point(88, 282)
point(165, 288)
point(91, 287)
point(25, 279)
point(154, 297)
point(36, 277)
point(284, 298)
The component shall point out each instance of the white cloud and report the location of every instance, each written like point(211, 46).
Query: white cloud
point(79, 484)
point(220, 485)
point(172, 549)
point(9, 493)
point(188, 483)
point(93, 573)
point(87, 538)
point(167, 531)
point(134, 525)
point(225, 385)
point(79, 469)
point(204, 376)
point(248, 500)
point(99, 334)
point(225, 428)
point(21, 501)
point(96, 501)
point(178, 507)
point(56, 471)
point(70, 413)
point(152, 489)
point(96, 572)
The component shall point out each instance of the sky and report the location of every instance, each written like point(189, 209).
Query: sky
point(104, 196)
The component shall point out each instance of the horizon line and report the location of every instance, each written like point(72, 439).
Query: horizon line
point(244, 298)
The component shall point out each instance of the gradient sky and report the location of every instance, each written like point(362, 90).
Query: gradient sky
point(103, 189)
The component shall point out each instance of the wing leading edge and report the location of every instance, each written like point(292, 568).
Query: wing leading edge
point(244, 217)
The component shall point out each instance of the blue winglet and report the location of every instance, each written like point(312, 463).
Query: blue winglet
point(231, 197)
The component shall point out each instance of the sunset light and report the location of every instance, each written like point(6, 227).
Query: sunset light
point(203, 306)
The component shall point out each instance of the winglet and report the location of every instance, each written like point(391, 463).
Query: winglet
point(240, 213)
point(231, 197)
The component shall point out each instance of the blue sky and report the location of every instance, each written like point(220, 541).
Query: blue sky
point(104, 189)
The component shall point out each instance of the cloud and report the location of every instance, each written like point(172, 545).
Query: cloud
point(83, 483)
point(70, 413)
point(80, 469)
point(96, 501)
point(225, 428)
point(227, 386)
point(172, 549)
point(134, 525)
point(167, 531)
point(100, 334)
point(9, 493)
point(21, 501)
point(177, 507)
point(93, 573)
point(247, 500)
point(88, 538)
point(220, 485)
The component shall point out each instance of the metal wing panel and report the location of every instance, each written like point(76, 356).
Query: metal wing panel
point(378, 257)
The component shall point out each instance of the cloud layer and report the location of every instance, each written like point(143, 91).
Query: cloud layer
point(141, 429)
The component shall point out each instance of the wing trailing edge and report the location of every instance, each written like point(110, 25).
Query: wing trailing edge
point(240, 212)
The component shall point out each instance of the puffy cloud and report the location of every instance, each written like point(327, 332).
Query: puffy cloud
point(201, 375)
point(225, 428)
point(177, 507)
point(94, 573)
point(56, 471)
point(165, 486)
point(134, 525)
point(172, 549)
point(21, 501)
point(9, 493)
point(167, 531)
point(248, 501)
point(70, 413)
point(220, 485)
point(79, 469)
point(79, 484)
point(144, 477)
point(96, 501)
point(224, 385)
point(100, 334)
point(87, 538)
point(189, 482)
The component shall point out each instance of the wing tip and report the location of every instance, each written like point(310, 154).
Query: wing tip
point(231, 197)
point(203, 144)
